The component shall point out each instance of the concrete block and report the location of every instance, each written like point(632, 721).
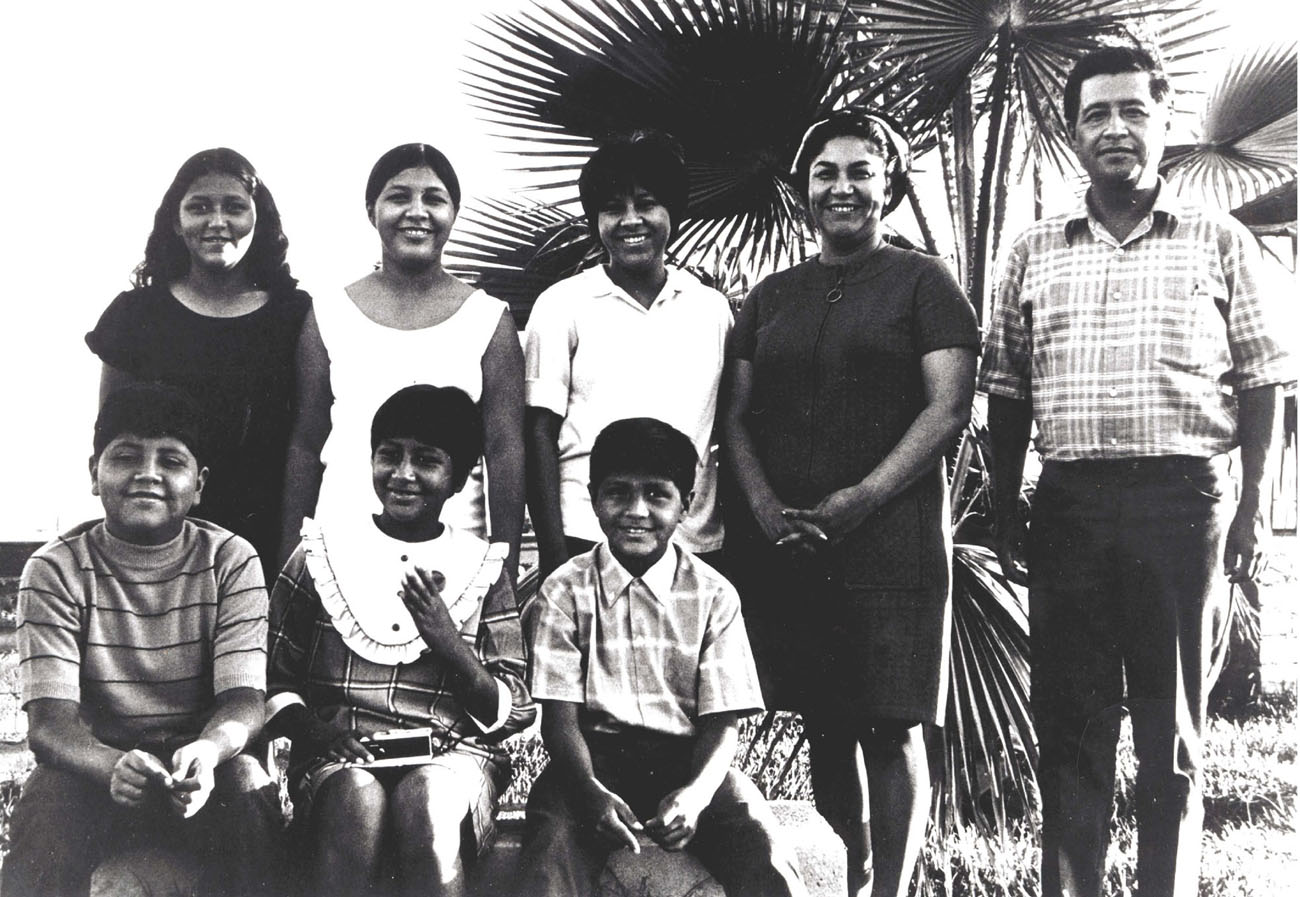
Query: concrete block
point(144, 872)
point(659, 873)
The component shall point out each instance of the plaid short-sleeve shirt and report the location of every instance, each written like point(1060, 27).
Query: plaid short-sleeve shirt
point(654, 652)
point(1136, 347)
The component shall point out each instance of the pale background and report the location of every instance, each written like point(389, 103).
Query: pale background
point(102, 102)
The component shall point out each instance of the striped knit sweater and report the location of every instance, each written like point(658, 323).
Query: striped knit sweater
point(142, 637)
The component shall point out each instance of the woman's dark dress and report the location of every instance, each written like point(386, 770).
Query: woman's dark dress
point(241, 372)
point(861, 631)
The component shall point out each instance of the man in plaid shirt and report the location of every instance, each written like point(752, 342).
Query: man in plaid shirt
point(1133, 331)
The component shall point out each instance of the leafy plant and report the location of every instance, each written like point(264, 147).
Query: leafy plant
point(1247, 142)
point(736, 83)
point(996, 66)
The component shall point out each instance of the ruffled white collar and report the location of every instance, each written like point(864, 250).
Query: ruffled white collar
point(358, 570)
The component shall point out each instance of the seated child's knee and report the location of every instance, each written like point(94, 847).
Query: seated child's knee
point(351, 792)
point(241, 774)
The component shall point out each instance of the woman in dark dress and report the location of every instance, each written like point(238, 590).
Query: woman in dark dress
point(216, 312)
point(847, 378)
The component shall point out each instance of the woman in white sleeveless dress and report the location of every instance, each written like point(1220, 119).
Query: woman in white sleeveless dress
point(410, 321)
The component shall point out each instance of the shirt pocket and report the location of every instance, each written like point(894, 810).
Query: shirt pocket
point(1190, 321)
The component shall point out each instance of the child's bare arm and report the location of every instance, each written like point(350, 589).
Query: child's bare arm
point(236, 718)
point(609, 813)
point(61, 739)
point(674, 825)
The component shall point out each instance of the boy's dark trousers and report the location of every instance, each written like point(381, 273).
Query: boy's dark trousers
point(737, 838)
point(65, 825)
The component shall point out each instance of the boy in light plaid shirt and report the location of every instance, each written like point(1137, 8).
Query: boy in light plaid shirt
point(641, 662)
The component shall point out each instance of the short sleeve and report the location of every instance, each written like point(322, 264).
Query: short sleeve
point(49, 626)
point(239, 642)
point(1257, 324)
point(743, 339)
point(944, 316)
point(1005, 367)
point(728, 680)
point(556, 662)
point(121, 331)
point(549, 342)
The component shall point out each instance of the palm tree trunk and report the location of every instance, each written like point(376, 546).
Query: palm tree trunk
point(983, 220)
point(921, 221)
point(1003, 182)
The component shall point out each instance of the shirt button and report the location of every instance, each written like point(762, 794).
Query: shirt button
point(1114, 441)
point(405, 558)
point(397, 627)
point(1117, 295)
point(1113, 393)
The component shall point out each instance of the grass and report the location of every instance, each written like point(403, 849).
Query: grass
point(1249, 845)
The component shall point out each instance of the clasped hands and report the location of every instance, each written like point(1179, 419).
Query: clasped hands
point(806, 530)
point(186, 787)
point(672, 827)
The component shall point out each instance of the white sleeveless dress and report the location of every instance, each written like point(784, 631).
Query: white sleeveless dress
point(368, 363)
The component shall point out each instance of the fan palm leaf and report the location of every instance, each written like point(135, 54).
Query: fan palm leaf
point(514, 249)
point(736, 83)
point(1247, 145)
point(1008, 59)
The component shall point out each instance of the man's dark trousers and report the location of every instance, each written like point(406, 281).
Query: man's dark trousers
point(1128, 609)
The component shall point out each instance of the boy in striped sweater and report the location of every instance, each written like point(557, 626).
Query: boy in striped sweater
point(142, 641)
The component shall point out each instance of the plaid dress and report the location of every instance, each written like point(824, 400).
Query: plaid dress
point(314, 656)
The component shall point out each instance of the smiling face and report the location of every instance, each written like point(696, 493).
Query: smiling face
point(413, 481)
point(147, 485)
point(847, 190)
point(638, 513)
point(414, 215)
point(634, 229)
point(1120, 135)
point(216, 220)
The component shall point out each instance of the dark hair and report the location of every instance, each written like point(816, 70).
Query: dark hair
point(650, 160)
point(881, 134)
point(151, 410)
point(441, 416)
point(410, 155)
point(644, 445)
point(1111, 61)
point(165, 255)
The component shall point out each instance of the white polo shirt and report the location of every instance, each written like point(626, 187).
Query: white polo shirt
point(594, 355)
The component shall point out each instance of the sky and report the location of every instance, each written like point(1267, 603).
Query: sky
point(103, 101)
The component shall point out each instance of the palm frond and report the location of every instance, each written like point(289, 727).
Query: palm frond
point(948, 44)
point(736, 83)
point(1247, 146)
point(990, 746)
point(515, 250)
point(1272, 213)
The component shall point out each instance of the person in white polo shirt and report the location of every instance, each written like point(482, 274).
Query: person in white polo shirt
point(633, 337)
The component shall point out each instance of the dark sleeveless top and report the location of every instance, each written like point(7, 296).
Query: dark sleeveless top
point(241, 372)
